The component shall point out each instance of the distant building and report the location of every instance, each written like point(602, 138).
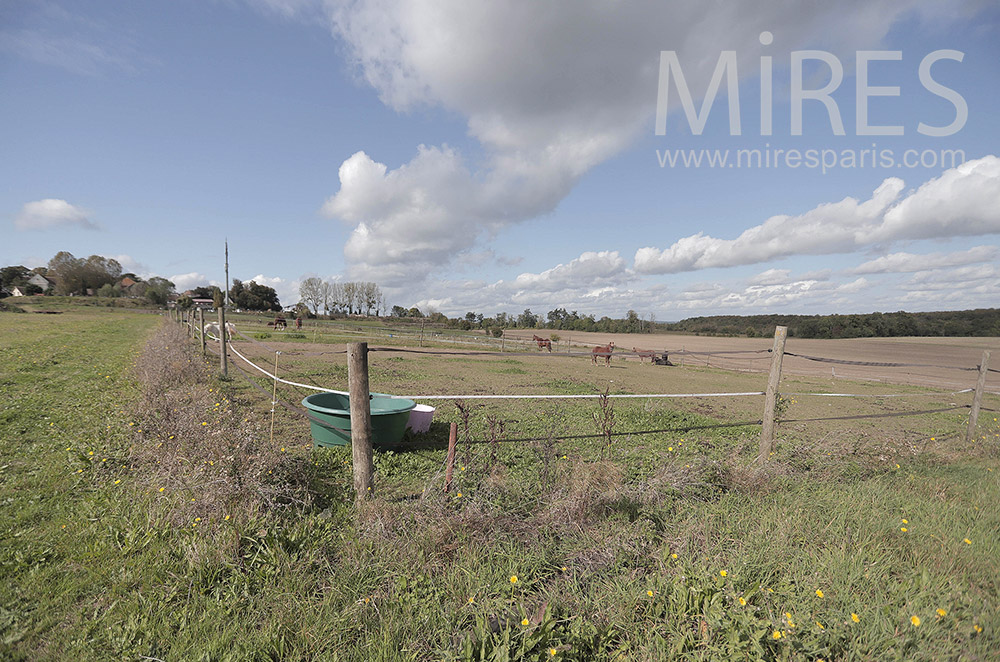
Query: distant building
point(207, 304)
point(41, 281)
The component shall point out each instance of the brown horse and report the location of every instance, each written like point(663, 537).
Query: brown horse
point(645, 354)
point(542, 342)
point(603, 351)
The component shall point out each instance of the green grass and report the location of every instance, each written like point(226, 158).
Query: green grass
point(95, 569)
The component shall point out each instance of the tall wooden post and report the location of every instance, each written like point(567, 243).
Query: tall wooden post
point(201, 328)
point(977, 399)
point(361, 418)
point(223, 361)
point(767, 430)
point(421, 332)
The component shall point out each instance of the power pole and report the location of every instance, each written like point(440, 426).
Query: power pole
point(226, 288)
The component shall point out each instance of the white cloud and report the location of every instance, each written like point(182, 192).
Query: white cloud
point(771, 277)
point(191, 280)
point(549, 90)
point(51, 213)
point(131, 265)
point(962, 201)
point(587, 272)
point(287, 290)
point(911, 262)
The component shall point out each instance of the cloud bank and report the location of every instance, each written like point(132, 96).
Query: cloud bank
point(549, 90)
point(963, 201)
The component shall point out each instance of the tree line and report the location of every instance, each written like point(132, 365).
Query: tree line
point(352, 298)
point(979, 322)
point(95, 275)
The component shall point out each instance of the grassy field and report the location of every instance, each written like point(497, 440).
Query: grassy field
point(148, 514)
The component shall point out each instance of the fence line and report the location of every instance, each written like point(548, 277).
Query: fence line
point(983, 369)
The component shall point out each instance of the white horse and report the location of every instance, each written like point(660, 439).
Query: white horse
point(212, 329)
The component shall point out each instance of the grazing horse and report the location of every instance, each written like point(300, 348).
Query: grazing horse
point(645, 354)
point(280, 323)
point(542, 342)
point(212, 329)
point(603, 351)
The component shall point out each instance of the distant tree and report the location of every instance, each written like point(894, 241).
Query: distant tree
point(185, 302)
point(350, 296)
point(14, 276)
point(108, 290)
point(311, 292)
point(414, 312)
point(159, 290)
point(76, 276)
point(527, 319)
point(253, 296)
point(398, 311)
point(205, 292)
point(335, 300)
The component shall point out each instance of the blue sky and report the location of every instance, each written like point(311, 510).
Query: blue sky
point(502, 156)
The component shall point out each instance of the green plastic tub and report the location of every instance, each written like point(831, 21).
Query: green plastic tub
point(330, 419)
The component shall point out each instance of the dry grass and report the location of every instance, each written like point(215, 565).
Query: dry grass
point(200, 458)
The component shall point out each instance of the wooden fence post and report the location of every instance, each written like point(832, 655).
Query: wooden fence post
point(977, 399)
point(223, 361)
point(361, 418)
point(767, 429)
point(201, 328)
point(450, 465)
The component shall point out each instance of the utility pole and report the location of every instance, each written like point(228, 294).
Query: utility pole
point(226, 288)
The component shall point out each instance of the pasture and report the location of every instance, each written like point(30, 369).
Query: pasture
point(148, 514)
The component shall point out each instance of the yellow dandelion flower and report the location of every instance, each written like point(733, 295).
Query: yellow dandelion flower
point(564, 568)
point(977, 627)
point(118, 481)
point(819, 593)
point(472, 601)
point(915, 620)
point(226, 518)
point(90, 452)
point(903, 529)
point(162, 488)
point(670, 448)
point(459, 495)
point(673, 556)
point(967, 541)
point(855, 617)
point(776, 635)
point(820, 625)
point(524, 621)
point(906, 521)
point(743, 602)
point(649, 593)
point(197, 519)
point(513, 579)
point(941, 612)
point(204, 423)
point(723, 573)
point(552, 652)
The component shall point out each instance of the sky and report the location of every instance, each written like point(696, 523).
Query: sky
point(672, 158)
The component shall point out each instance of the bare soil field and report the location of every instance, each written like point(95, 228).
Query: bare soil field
point(935, 362)
point(702, 367)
